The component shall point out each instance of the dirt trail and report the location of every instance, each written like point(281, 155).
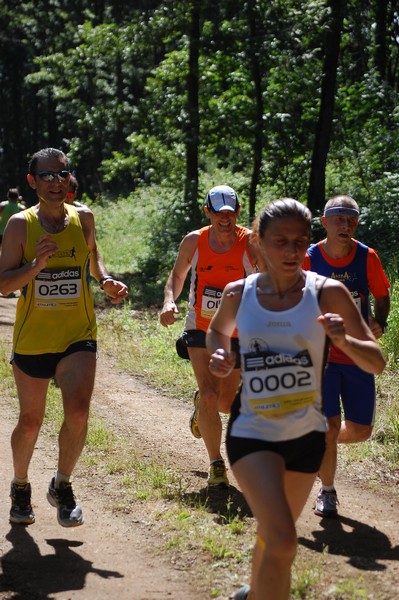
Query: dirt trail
point(116, 556)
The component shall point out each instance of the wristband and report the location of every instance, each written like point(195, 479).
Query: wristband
point(103, 279)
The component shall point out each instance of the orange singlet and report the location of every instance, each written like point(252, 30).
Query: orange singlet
point(211, 272)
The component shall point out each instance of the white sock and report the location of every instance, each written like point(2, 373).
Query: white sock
point(61, 478)
point(21, 481)
point(328, 488)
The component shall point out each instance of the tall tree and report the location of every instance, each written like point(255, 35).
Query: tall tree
point(317, 186)
point(192, 123)
point(254, 51)
point(381, 37)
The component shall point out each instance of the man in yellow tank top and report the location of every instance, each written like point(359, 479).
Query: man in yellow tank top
point(216, 255)
point(49, 253)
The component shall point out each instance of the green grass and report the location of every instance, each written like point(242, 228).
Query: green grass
point(122, 231)
point(305, 575)
point(352, 590)
point(390, 340)
point(6, 376)
point(149, 349)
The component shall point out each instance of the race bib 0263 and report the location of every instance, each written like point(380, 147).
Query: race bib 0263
point(58, 288)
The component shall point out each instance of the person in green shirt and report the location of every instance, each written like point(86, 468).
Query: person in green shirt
point(8, 208)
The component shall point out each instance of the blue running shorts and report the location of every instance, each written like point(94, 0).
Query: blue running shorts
point(354, 388)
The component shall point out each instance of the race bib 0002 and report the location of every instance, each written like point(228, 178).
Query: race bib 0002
point(278, 383)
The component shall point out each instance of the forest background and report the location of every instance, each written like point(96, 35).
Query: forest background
point(155, 102)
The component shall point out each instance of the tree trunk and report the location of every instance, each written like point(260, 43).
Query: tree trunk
point(256, 73)
point(317, 183)
point(381, 38)
point(192, 128)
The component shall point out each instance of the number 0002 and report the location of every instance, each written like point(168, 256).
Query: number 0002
point(273, 382)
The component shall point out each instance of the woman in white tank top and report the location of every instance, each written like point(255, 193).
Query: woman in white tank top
point(276, 435)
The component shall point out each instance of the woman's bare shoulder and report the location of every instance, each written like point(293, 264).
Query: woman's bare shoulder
point(234, 288)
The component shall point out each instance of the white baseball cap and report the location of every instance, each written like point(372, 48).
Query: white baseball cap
point(222, 197)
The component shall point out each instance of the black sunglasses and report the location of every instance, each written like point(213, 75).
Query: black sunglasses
point(51, 175)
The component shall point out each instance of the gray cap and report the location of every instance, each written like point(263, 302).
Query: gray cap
point(222, 197)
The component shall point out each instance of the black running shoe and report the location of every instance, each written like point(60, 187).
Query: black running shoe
point(69, 514)
point(21, 508)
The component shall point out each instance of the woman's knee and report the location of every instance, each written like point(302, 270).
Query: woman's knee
point(282, 550)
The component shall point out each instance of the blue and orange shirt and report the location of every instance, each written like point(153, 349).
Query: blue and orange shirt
point(360, 271)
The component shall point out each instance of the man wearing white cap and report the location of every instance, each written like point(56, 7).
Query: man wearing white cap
point(216, 254)
point(342, 257)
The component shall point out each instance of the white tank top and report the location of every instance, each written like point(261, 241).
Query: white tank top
point(282, 361)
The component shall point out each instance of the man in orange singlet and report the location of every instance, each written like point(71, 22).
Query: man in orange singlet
point(216, 254)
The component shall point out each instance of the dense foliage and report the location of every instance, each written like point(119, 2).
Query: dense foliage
point(293, 98)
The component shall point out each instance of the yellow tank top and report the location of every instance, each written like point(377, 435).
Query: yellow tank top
point(56, 308)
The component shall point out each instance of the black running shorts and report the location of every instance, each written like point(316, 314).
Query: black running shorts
point(43, 366)
point(303, 454)
point(196, 338)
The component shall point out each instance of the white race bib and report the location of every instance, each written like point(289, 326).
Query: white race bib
point(210, 301)
point(277, 383)
point(58, 289)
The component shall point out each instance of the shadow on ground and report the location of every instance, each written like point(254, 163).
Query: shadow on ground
point(363, 544)
point(226, 502)
point(32, 576)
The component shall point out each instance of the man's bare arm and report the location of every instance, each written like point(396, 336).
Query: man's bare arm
point(175, 282)
point(116, 290)
point(13, 274)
